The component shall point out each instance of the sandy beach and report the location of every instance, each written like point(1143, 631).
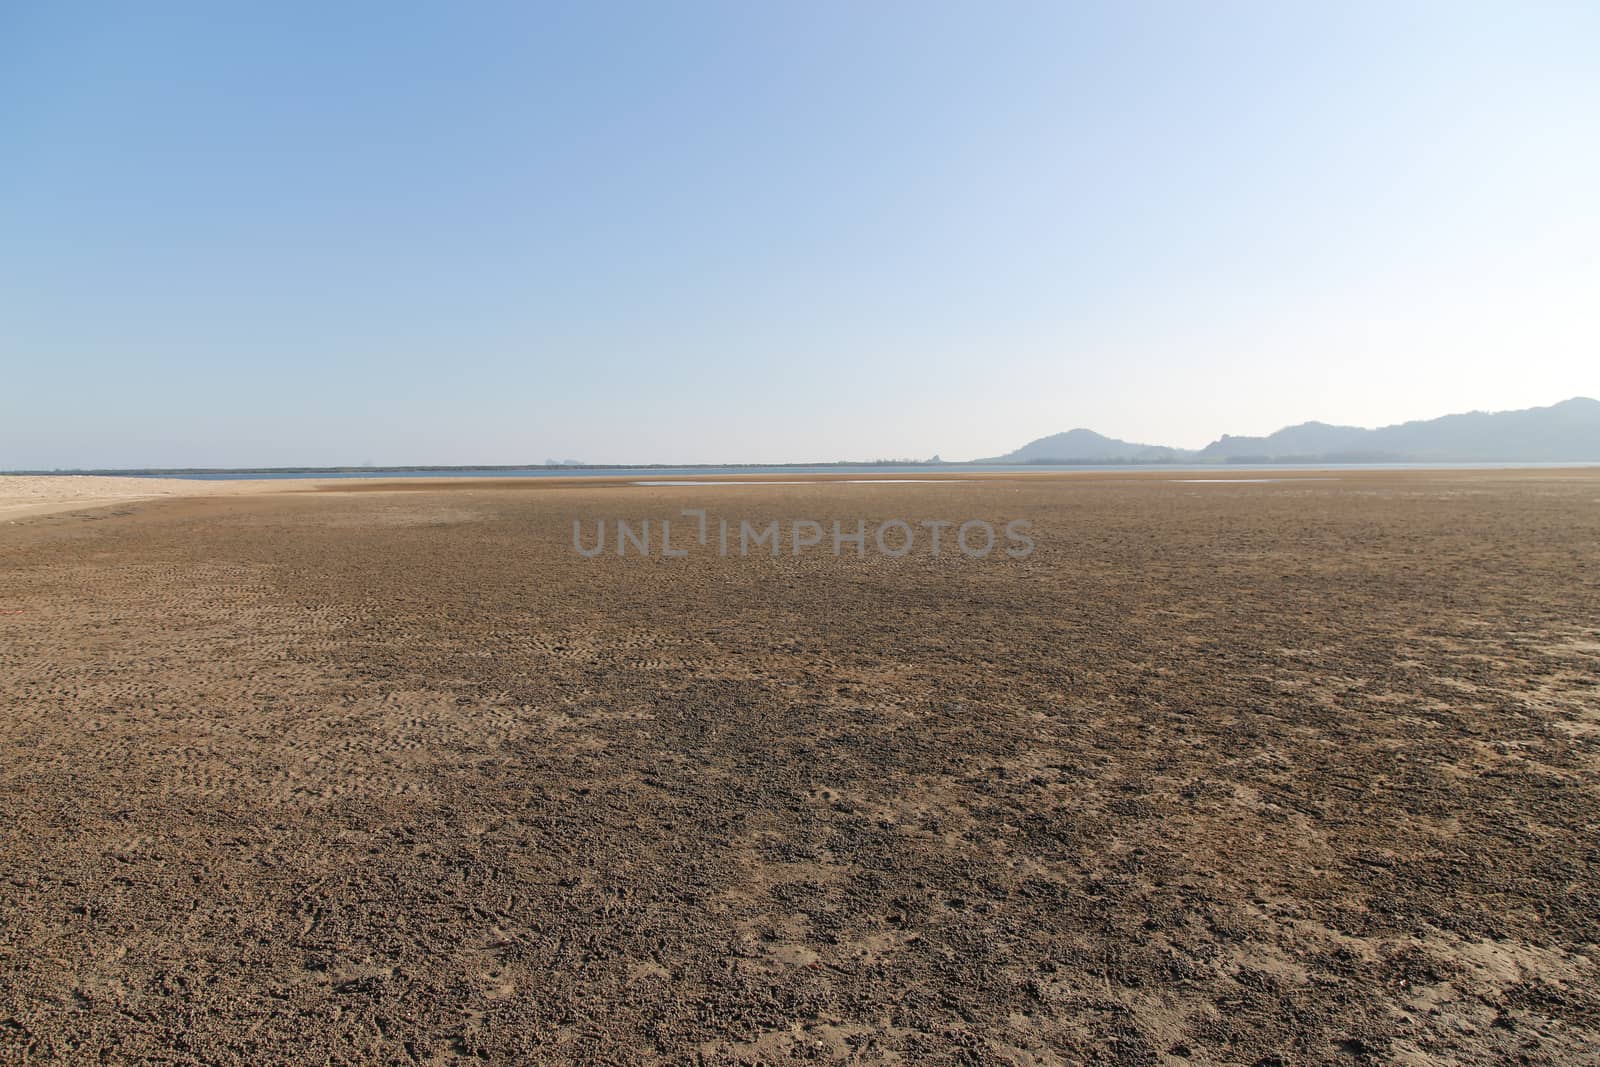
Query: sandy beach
point(25, 495)
point(1298, 771)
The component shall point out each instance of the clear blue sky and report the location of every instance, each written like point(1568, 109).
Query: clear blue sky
point(327, 233)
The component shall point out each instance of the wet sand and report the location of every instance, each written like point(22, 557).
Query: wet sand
point(1300, 771)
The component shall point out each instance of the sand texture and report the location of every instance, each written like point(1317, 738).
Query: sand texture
point(1295, 772)
point(25, 495)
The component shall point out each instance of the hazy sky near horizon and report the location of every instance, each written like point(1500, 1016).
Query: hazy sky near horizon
point(318, 234)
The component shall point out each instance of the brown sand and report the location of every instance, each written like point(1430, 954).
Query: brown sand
point(1292, 772)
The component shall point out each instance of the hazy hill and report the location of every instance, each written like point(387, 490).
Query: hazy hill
point(1569, 430)
point(1086, 446)
point(1306, 439)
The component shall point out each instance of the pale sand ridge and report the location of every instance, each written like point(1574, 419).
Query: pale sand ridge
point(24, 495)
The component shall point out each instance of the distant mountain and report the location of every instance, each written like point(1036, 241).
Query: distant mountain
point(1086, 446)
point(1569, 430)
point(1306, 439)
